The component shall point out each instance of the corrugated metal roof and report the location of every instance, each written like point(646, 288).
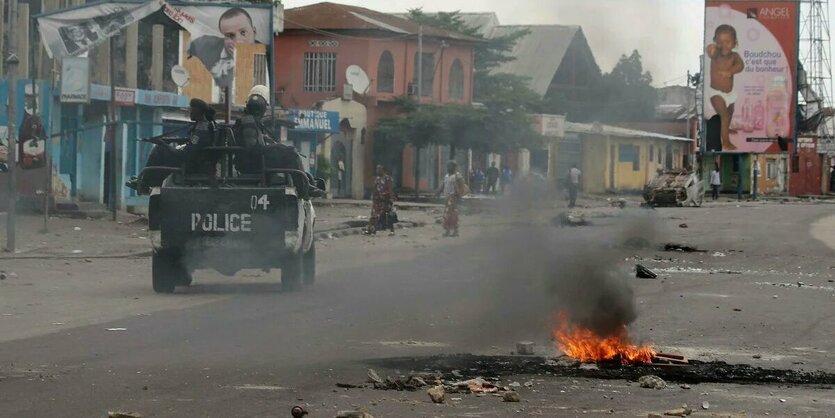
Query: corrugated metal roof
point(539, 54)
point(600, 129)
point(486, 22)
point(331, 16)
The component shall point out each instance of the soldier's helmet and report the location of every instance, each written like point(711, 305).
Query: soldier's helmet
point(258, 101)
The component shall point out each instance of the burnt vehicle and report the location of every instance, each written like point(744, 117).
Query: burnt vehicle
point(675, 188)
point(226, 220)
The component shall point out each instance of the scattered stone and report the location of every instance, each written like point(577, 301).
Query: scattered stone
point(705, 405)
point(682, 248)
point(589, 366)
point(525, 348)
point(782, 401)
point(529, 384)
point(2, 276)
point(298, 412)
point(737, 310)
point(122, 414)
point(145, 387)
point(685, 386)
point(678, 412)
point(652, 382)
point(776, 297)
point(515, 385)
point(437, 394)
point(654, 415)
point(457, 373)
point(87, 260)
point(642, 272)
point(757, 356)
point(683, 226)
point(346, 386)
point(417, 382)
point(353, 414)
point(511, 397)
point(76, 229)
point(373, 377)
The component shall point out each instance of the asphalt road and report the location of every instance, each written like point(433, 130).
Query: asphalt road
point(242, 348)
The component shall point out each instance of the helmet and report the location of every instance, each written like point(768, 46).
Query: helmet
point(261, 90)
point(256, 105)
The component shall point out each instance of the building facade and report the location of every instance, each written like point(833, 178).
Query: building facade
point(323, 43)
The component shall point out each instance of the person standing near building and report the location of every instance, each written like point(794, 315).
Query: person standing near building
point(382, 202)
point(507, 178)
point(573, 185)
point(715, 181)
point(453, 189)
point(492, 179)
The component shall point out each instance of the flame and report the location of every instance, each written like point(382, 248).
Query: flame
point(586, 346)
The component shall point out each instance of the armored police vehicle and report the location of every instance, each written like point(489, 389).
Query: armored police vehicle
point(228, 218)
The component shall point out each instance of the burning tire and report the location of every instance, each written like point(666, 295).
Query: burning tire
point(167, 272)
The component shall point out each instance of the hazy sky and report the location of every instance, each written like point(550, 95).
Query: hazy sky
point(668, 33)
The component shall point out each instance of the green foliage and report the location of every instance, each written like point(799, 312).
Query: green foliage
point(324, 169)
point(501, 125)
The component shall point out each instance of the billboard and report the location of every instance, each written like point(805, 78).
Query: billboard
point(750, 66)
point(214, 29)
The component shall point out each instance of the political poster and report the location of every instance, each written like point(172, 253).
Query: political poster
point(750, 65)
point(215, 29)
point(73, 32)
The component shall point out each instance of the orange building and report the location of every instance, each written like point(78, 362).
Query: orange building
point(313, 54)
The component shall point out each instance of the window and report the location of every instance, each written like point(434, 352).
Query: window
point(320, 72)
point(428, 73)
point(636, 159)
point(259, 75)
point(771, 168)
point(651, 153)
point(456, 81)
point(630, 154)
point(660, 159)
point(385, 73)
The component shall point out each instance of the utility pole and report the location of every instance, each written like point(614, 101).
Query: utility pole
point(419, 97)
point(11, 67)
point(111, 128)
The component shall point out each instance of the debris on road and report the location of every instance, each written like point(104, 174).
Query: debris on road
point(642, 272)
point(477, 385)
point(117, 329)
point(353, 414)
point(437, 394)
point(685, 386)
point(298, 412)
point(525, 348)
point(705, 405)
point(347, 386)
point(617, 203)
point(122, 414)
point(652, 382)
point(678, 412)
point(2, 275)
point(654, 415)
point(682, 248)
point(511, 397)
point(373, 377)
point(682, 226)
point(572, 218)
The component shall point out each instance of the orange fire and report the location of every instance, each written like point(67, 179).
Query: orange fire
point(584, 345)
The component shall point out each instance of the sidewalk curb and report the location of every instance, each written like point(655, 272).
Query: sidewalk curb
point(319, 236)
point(329, 235)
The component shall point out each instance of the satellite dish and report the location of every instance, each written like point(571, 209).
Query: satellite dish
point(179, 75)
point(358, 79)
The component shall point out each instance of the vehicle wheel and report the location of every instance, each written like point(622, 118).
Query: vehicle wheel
point(166, 272)
point(291, 272)
point(309, 264)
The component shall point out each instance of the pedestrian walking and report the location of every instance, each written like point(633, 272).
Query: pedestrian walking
point(573, 185)
point(715, 182)
point(492, 179)
point(382, 203)
point(507, 178)
point(453, 189)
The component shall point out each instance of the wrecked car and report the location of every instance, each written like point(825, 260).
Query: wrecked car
point(674, 188)
point(228, 221)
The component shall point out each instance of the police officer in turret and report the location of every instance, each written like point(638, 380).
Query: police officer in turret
point(251, 134)
point(201, 134)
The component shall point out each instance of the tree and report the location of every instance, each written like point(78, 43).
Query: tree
point(503, 123)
